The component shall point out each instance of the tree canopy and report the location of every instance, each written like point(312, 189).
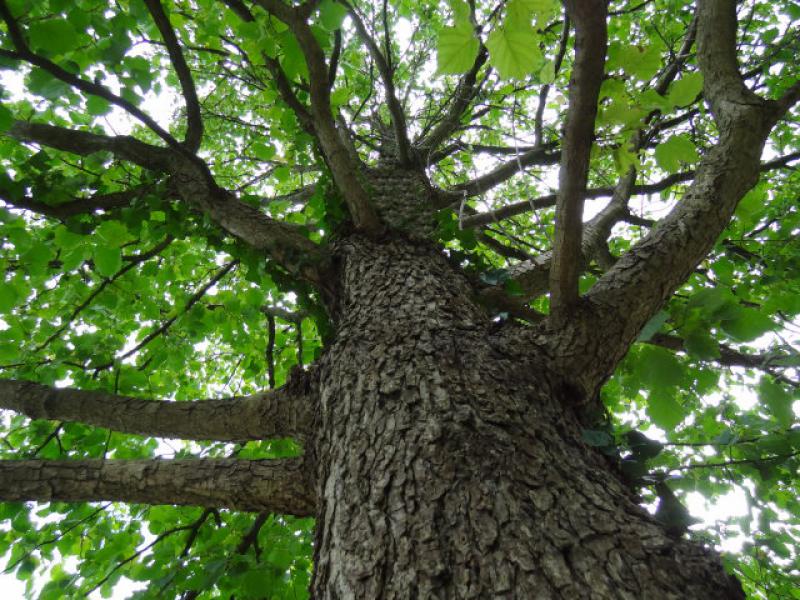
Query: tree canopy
point(172, 171)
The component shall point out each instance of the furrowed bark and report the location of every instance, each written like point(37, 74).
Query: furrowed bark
point(591, 39)
point(453, 470)
point(285, 412)
point(279, 486)
point(630, 293)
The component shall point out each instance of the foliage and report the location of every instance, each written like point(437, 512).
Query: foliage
point(107, 299)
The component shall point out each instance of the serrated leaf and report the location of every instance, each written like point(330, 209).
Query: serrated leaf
point(98, 106)
point(513, 51)
point(659, 368)
point(640, 62)
point(6, 118)
point(456, 49)
point(8, 298)
point(745, 324)
point(263, 151)
point(701, 345)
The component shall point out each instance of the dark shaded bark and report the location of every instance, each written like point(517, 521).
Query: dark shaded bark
point(281, 486)
point(283, 413)
point(450, 463)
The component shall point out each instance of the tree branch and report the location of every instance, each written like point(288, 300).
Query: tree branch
point(393, 104)
point(285, 412)
point(631, 292)
point(76, 207)
point(343, 169)
point(279, 486)
point(465, 92)
point(194, 127)
point(480, 185)
point(591, 38)
point(84, 143)
point(25, 53)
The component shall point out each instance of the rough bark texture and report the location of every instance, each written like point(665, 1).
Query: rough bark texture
point(282, 413)
point(449, 467)
point(280, 486)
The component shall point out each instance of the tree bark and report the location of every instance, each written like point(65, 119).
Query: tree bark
point(450, 464)
point(280, 486)
point(285, 412)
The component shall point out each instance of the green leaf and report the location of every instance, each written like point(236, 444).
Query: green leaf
point(6, 118)
point(456, 49)
point(98, 106)
point(659, 368)
point(777, 401)
point(745, 324)
point(664, 410)
point(701, 345)
point(107, 260)
point(331, 14)
point(56, 36)
point(676, 150)
point(8, 298)
point(685, 90)
point(513, 51)
point(263, 151)
point(640, 62)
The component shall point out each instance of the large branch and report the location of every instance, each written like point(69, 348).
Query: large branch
point(591, 39)
point(194, 127)
point(78, 206)
point(285, 412)
point(631, 292)
point(339, 159)
point(84, 143)
point(279, 486)
point(466, 90)
point(393, 104)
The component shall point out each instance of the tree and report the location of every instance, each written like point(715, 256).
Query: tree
point(433, 362)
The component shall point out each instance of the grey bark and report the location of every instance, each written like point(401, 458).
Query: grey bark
point(285, 412)
point(449, 462)
point(280, 486)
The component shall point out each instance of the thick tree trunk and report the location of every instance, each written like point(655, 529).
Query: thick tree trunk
point(450, 463)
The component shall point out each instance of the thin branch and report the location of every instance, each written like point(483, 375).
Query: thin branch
point(343, 169)
point(540, 156)
point(591, 38)
point(161, 329)
point(562, 50)
point(194, 127)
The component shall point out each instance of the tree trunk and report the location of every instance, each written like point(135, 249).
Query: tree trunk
point(450, 463)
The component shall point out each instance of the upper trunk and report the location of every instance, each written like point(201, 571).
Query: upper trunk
point(450, 465)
